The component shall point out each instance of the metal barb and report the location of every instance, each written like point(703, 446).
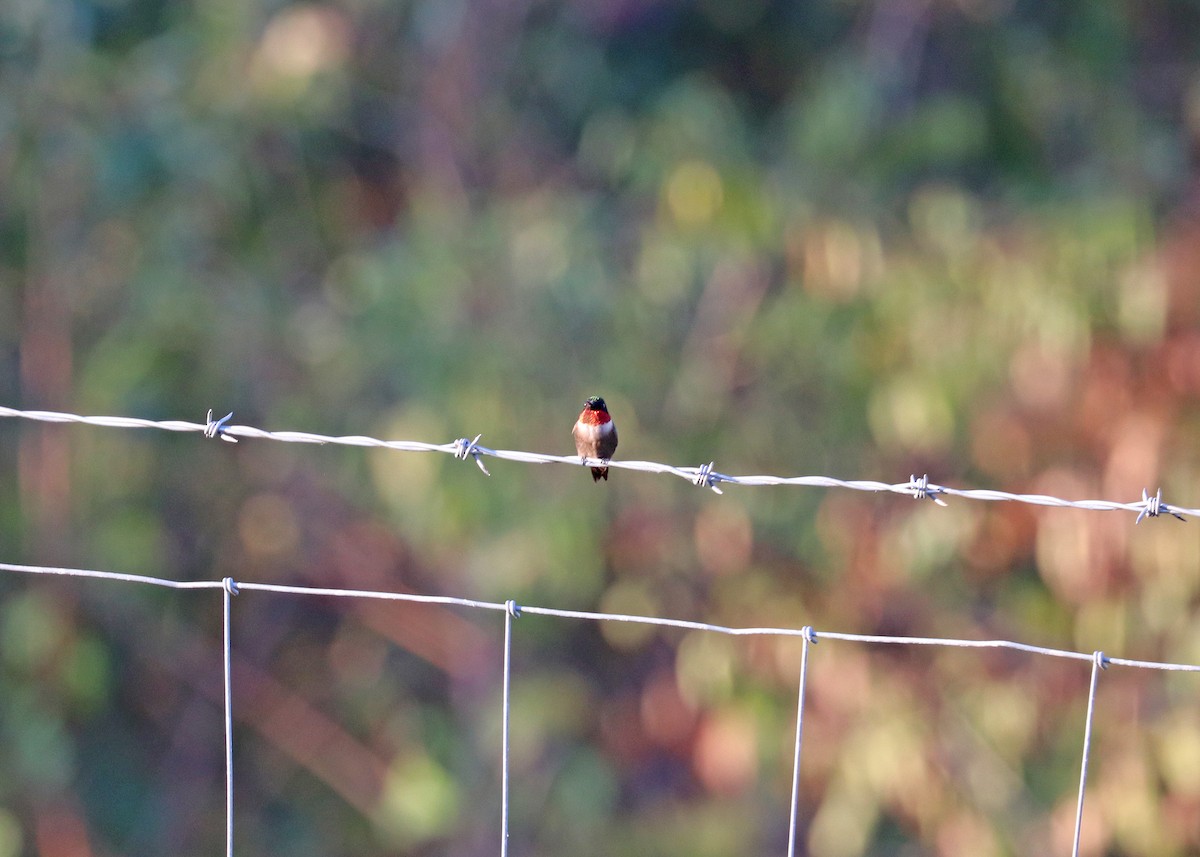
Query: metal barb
point(706, 478)
point(1152, 507)
point(464, 448)
point(922, 490)
point(217, 428)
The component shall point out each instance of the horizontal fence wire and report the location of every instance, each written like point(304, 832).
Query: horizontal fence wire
point(809, 632)
point(704, 475)
point(808, 635)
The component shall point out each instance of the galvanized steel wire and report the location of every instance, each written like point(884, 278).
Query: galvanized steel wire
point(703, 476)
point(512, 611)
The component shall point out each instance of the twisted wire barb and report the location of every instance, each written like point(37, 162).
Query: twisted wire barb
point(702, 476)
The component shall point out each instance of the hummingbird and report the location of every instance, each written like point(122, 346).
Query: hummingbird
point(595, 434)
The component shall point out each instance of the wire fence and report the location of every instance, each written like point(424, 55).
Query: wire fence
point(808, 635)
point(704, 475)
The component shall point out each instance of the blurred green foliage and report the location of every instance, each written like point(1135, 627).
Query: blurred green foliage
point(862, 239)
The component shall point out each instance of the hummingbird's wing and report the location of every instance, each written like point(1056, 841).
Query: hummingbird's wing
point(608, 443)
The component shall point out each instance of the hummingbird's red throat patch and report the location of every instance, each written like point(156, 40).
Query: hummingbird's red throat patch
point(594, 418)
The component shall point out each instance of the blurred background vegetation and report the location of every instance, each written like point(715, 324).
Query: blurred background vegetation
point(851, 238)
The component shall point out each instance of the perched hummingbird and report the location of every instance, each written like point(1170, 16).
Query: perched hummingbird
point(595, 434)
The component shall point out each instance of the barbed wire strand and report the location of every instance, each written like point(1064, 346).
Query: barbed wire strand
point(807, 634)
point(808, 637)
point(1151, 506)
point(1099, 662)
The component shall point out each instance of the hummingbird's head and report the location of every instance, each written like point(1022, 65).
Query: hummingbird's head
point(595, 403)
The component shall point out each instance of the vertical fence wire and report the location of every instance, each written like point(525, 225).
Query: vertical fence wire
point(226, 592)
point(511, 610)
point(809, 636)
point(1099, 662)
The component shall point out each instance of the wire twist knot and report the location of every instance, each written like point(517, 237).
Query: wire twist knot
point(230, 585)
point(809, 634)
point(1100, 659)
point(706, 478)
point(922, 490)
point(216, 428)
point(1152, 507)
point(464, 448)
point(512, 608)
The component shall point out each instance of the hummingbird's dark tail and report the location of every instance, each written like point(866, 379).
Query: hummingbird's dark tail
point(599, 473)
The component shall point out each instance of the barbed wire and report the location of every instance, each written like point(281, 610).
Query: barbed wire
point(705, 476)
point(808, 635)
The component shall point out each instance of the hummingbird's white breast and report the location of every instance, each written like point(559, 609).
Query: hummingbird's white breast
point(593, 433)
